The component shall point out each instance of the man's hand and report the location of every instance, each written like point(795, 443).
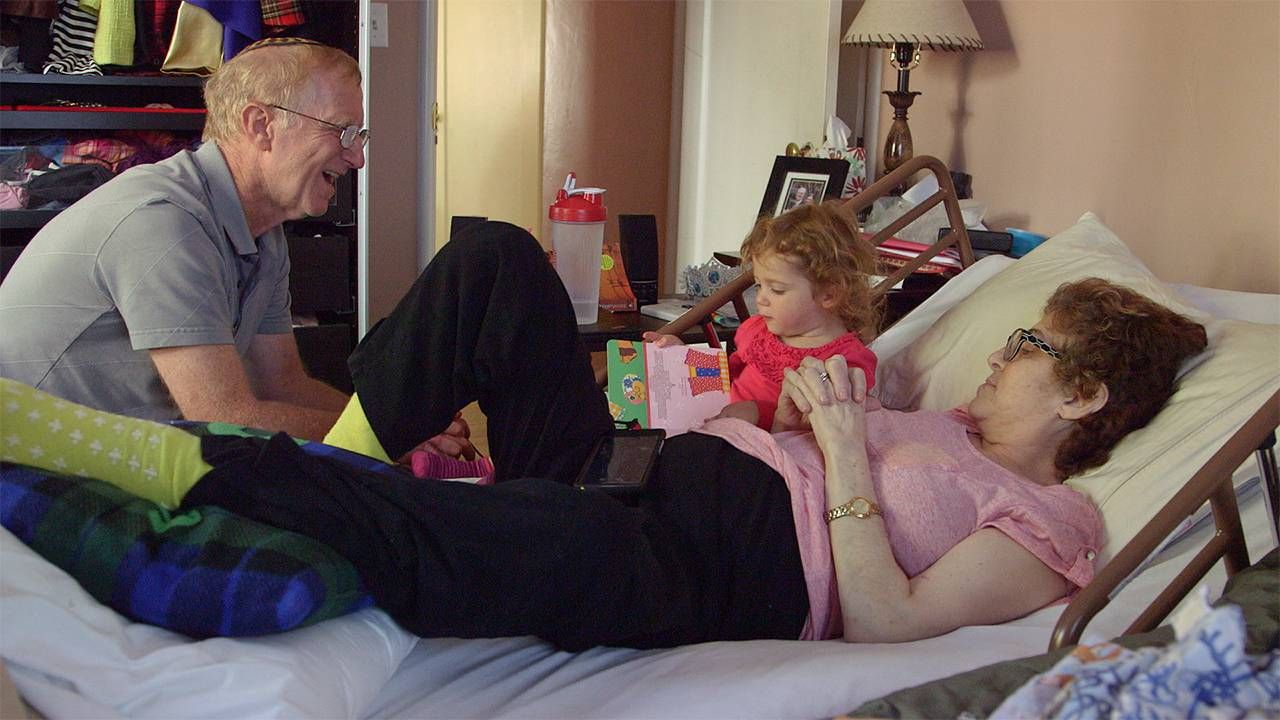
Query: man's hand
point(661, 340)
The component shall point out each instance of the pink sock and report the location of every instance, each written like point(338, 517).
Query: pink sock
point(430, 465)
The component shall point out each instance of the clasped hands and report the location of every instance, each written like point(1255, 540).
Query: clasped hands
point(827, 397)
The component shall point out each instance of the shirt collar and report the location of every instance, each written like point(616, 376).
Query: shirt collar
point(228, 211)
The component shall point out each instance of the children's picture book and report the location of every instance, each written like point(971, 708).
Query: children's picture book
point(673, 388)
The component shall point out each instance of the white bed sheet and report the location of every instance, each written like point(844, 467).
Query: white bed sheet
point(72, 657)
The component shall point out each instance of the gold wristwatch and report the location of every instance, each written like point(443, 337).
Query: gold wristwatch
point(858, 507)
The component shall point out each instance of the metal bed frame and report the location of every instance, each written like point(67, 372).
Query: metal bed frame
point(1212, 482)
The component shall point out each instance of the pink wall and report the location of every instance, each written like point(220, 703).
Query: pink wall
point(396, 110)
point(1162, 117)
point(607, 103)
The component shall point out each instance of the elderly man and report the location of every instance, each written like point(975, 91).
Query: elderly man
point(165, 293)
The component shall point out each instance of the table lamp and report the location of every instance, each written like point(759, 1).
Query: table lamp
point(905, 27)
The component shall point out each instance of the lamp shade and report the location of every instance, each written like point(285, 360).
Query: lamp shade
point(932, 24)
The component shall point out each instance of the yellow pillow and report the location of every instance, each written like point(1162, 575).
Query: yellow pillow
point(1218, 391)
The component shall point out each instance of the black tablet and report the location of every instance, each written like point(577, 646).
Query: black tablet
point(622, 461)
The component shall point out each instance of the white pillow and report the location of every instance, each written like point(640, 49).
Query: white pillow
point(1218, 391)
point(71, 656)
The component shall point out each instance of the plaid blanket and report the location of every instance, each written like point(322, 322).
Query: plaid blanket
point(203, 573)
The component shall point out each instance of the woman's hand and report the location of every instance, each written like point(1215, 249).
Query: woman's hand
point(827, 396)
point(661, 340)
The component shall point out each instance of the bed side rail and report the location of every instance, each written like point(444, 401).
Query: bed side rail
point(731, 292)
point(1213, 483)
point(946, 194)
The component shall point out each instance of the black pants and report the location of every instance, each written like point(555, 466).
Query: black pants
point(488, 320)
point(710, 554)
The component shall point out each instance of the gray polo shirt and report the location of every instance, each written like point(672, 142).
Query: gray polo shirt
point(160, 256)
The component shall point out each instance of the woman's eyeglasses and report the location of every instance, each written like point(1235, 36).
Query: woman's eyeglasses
point(1019, 336)
point(346, 135)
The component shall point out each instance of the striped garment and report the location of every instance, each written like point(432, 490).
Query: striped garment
point(72, 32)
point(204, 572)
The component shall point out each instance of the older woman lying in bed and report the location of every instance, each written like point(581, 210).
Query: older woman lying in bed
point(932, 521)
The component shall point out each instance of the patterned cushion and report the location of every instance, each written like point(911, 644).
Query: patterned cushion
point(203, 573)
point(353, 460)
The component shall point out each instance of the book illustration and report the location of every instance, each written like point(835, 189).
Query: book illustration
point(673, 388)
point(633, 389)
point(707, 372)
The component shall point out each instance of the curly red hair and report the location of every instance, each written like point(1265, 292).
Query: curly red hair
point(1126, 341)
point(827, 244)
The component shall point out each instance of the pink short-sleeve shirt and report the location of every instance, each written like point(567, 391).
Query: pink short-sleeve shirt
point(934, 488)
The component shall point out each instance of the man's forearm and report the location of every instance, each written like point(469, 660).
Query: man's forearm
point(311, 393)
point(299, 421)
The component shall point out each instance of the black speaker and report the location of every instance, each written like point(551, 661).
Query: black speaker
point(638, 235)
point(458, 223)
point(320, 273)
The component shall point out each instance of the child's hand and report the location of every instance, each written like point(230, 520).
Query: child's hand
point(788, 416)
point(742, 410)
point(662, 340)
point(454, 442)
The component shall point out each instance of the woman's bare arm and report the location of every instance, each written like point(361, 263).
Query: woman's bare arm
point(987, 578)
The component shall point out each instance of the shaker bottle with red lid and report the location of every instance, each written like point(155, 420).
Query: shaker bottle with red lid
point(577, 237)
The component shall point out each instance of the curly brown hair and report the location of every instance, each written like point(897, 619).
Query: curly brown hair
point(826, 242)
point(1122, 339)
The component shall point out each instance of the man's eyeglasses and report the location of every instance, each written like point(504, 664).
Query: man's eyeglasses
point(346, 135)
point(1019, 336)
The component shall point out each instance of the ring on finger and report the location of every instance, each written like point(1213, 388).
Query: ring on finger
point(825, 377)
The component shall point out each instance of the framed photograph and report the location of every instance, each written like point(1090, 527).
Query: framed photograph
point(799, 180)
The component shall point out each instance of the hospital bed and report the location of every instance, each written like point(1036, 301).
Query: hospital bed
point(70, 656)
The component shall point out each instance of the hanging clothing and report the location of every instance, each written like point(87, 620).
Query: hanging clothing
point(73, 30)
point(113, 38)
point(155, 23)
point(197, 42)
point(241, 23)
point(282, 13)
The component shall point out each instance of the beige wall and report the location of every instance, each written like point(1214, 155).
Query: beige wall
point(490, 94)
point(396, 109)
point(607, 104)
point(1162, 117)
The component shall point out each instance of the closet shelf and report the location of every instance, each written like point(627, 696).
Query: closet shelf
point(99, 120)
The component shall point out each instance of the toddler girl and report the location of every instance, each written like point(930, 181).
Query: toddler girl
point(813, 297)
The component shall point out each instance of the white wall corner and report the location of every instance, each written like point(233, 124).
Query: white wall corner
point(758, 75)
point(693, 144)
point(834, 33)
